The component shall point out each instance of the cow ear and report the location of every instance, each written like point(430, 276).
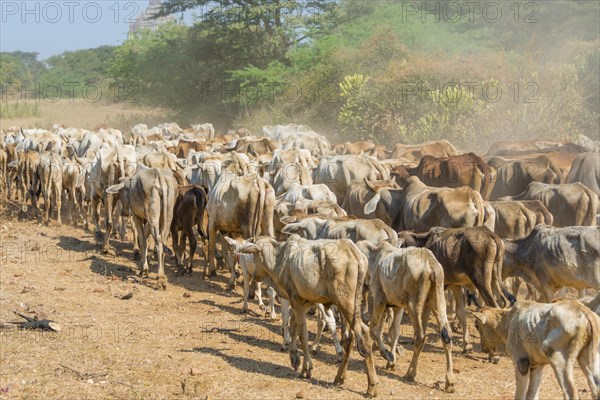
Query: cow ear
point(248, 248)
point(372, 204)
point(115, 188)
point(231, 242)
point(291, 229)
point(80, 180)
point(481, 317)
point(288, 219)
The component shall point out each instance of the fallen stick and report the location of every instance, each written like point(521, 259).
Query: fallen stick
point(34, 323)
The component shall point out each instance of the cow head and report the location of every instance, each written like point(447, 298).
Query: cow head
point(489, 322)
point(262, 253)
point(308, 228)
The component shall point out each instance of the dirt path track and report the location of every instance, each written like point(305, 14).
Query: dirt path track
point(145, 347)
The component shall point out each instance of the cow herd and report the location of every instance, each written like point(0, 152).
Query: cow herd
point(360, 231)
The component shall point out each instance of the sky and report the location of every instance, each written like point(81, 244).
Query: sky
point(51, 27)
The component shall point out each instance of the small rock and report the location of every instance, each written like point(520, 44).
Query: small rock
point(300, 395)
point(59, 289)
point(18, 275)
point(98, 290)
point(127, 296)
point(186, 295)
point(90, 381)
point(195, 371)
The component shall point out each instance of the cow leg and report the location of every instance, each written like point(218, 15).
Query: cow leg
point(461, 313)
point(563, 369)
point(300, 310)
point(139, 226)
point(57, 198)
point(271, 294)
point(394, 335)
point(176, 248)
point(522, 384)
point(193, 243)
point(158, 240)
point(96, 215)
point(246, 276)
point(589, 361)
point(416, 313)
point(109, 209)
point(258, 295)
point(376, 324)
point(285, 323)
point(320, 327)
point(211, 265)
point(535, 379)
point(437, 305)
point(136, 240)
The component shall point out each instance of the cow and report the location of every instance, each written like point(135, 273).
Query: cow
point(305, 272)
point(470, 257)
point(356, 230)
point(514, 176)
point(420, 207)
point(586, 169)
point(3, 171)
point(316, 192)
point(49, 175)
point(551, 258)
point(239, 207)
point(456, 171)
point(189, 209)
point(254, 147)
point(361, 192)
point(248, 266)
point(414, 152)
point(534, 335)
point(513, 219)
point(510, 147)
point(290, 174)
point(185, 146)
point(286, 213)
point(412, 279)
point(26, 169)
point(542, 215)
point(570, 204)
point(109, 167)
point(73, 179)
point(338, 172)
point(206, 130)
point(149, 196)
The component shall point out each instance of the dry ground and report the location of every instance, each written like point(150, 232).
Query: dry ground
point(86, 115)
point(145, 347)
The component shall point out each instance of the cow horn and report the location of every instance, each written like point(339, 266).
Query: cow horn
point(370, 185)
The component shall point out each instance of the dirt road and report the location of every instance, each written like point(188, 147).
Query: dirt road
point(146, 346)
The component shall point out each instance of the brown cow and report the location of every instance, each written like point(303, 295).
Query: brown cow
point(471, 257)
point(414, 152)
point(514, 176)
point(184, 146)
point(570, 204)
point(189, 209)
point(456, 171)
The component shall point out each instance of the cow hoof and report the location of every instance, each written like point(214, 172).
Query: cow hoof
point(305, 374)
point(295, 360)
point(388, 355)
point(449, 387)
point(494, 359)
point(372, 391)
point(468, 348)
point(313, 351)
point(340, 356)
point(409, 378)
point(391, 366)
point(338, 381)
point(245, 311)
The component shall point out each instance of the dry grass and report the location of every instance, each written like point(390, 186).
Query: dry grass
point(82, 114)
point(144, 347)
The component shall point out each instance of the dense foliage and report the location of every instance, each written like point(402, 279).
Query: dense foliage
point(360, 69)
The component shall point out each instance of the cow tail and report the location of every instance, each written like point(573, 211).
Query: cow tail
point(498, 262)
point(361, 332)
point(440, 301)
point(592, 347)
point(591, 210)
point(260, 204)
